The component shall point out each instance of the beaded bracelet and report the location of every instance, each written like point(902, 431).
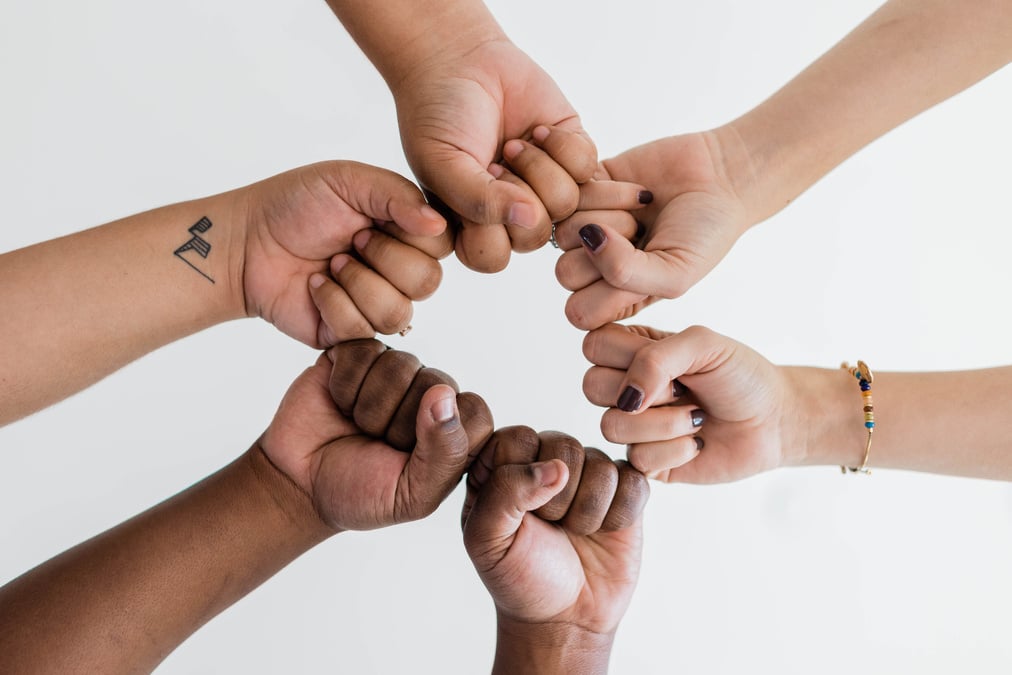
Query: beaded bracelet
point(864, 379)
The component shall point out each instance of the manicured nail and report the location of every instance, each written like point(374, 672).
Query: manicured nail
point(630, 400)
point(361, 239)
point(444, 410)
point(699, 442)
point(540, 133)
point(698, 417)
point(316, 280)
point(677, 389)
point(523, 215)
point(593, 236)
point(646, 196)
point(545, 473)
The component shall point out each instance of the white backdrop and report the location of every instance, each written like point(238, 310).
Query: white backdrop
point(113, 106)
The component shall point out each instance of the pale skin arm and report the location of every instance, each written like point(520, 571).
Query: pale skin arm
point(79, 307)
point(753, 416)
point(122, 601)
point(711, 187)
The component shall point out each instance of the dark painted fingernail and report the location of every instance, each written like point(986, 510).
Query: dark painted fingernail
point(593, 236)
point(630, 400)
point(677, 389)
point(699, 442)
point(698, 416)
point(646, 196)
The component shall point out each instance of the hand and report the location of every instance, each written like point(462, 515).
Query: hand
point(693, 407)
point(574, 575)
point(355, 481)
point(616, 266)
point(302, 222)
point(455, 114)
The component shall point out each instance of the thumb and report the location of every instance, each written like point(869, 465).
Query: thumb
point(471, 191)
point(384, 196)
point(505, 499)
point(440, 456)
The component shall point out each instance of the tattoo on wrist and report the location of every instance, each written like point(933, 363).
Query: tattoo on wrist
point(197, 244)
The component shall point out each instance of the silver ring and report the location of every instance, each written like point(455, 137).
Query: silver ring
point(552, 238)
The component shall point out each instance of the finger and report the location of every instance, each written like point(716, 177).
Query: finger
point(468, 189)
point(477, 420)
point(400, 432)
point(631, 496)
point(509, 445)
point(411, 271)
point(658, 363)
point(658, 456)
point(523, 239)
point(613, 345)
point(651, 424)
point(483, 248)
point(500, 507)
point(384, 307)
point(383, 195)
point(571, 149)
point(556, 445)
point(601, 303)
point(623, 223)
point(340, 318)
point(352, 361)
point(437, 247)
point(613, 194)
point(383, 389)
point(603, 387)
point(660, 273)
point(439, 458)
point(593, 497)
point(574, 271)
point(550, 181)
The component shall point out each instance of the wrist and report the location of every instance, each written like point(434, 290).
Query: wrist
point(549, 647)
point(826, 426)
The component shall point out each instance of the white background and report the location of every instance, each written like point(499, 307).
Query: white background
point(899, 257)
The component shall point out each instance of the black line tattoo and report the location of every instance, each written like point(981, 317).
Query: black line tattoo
point(197, 244)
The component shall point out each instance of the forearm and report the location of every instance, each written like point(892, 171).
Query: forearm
point(549, 649)
point(955, 423)
point(401, 35)
point(905, 58)
point(125, 599)
point(77, 308)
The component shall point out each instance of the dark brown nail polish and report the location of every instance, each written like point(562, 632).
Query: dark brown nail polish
point(677, 389)
point(699, 442)
point(630, 400)
point(646, 196)
point(698, 416)
point(593, 236)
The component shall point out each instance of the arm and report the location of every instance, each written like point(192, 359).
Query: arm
point(711, 187)
point(124, 600)
point(462, 89)
point(554, 531)
point(699, 407)
point(80, 307)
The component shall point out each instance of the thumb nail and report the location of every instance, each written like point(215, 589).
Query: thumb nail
point(522, 215)
point(445, 409)
point(546, 473)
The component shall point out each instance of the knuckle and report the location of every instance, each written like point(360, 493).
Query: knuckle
point(395, 316)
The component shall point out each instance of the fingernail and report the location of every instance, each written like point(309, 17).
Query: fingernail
point(545, 473)
point(512, 149)
point(646, 196)
point(677, 389)
point(337, 263)
point(316, 280)
point(430, 213)
point(444, 410)
point(630, 400)
point(698, 416)
point(361, 238)
point(593, 236)
point(540, 133)
point(448, 214)
point(496, 170)
point(522, 215)
point(699, 442)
